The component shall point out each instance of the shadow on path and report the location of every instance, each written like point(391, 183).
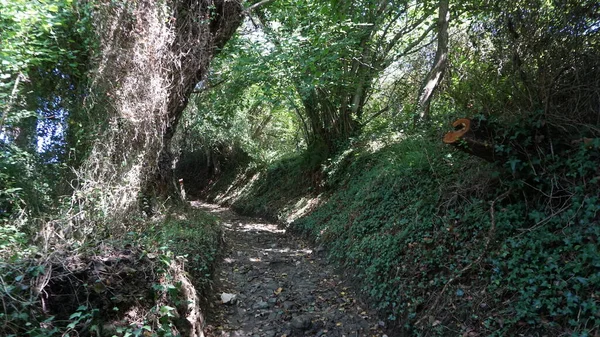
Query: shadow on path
point(281, 288)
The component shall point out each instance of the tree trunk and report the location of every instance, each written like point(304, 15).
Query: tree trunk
point(151, 56)
point(223, 24)
point(435, 75)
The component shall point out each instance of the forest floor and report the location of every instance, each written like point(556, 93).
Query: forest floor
point(282, 287)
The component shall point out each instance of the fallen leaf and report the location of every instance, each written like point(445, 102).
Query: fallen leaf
point(278, 291)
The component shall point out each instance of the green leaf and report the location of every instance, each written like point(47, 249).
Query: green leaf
point(75, 315)
point(166, 309)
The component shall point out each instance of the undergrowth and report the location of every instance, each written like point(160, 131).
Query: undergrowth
point(446, 244)
point(149, 282)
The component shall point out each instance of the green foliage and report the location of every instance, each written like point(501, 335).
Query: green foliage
point(524, 56)
point(334, 54)
point(549, 256)
point(409, 218)
point(511, 247)
point(380, 210)
point(413, 224)
point(250, 189)
point(245, 103)
point(305, 75)
point(443, 243)
point(79, 300)
point(195, 236)
point(23, 178)
point(44, 59)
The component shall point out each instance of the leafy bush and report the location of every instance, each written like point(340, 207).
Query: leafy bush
point(197, 237)
point(44, 55)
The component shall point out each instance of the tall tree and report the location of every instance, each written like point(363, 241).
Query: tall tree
point(335, 50)
point(440, 62)
point(152, 55)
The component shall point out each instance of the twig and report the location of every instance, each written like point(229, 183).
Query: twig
point(256, 5)
point(6, 291)
point(546, 219)
point(470, 265)
point(11, 99)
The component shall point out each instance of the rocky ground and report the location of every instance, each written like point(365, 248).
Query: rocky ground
point(271, 284)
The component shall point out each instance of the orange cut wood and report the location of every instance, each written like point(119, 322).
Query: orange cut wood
point(461, 126)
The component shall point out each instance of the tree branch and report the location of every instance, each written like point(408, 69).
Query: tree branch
point(410, 48)
point(375, 115)
point(256, 5)
point(436, 73)
point(11, 98)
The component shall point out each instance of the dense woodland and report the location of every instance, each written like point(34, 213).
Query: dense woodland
point(445, 154)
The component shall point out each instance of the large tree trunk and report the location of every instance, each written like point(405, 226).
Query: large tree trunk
point(152, 54)
point(226, 19)
point(435, 75)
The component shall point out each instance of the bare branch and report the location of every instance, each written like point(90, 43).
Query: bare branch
point(377, 114)
point(256, 5)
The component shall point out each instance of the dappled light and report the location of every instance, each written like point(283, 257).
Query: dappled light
point(287, 168)
point(278, 279)
point(256, 227)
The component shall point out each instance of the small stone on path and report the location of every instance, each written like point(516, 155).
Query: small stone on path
point(302, 322)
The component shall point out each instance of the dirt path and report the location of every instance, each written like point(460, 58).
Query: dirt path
point(281, 287)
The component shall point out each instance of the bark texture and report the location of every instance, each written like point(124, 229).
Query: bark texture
point(435, 75)
point(151, 56)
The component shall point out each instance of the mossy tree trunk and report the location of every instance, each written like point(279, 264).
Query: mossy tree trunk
point(151, 56)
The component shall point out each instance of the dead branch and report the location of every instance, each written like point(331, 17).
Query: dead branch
point(256, 5)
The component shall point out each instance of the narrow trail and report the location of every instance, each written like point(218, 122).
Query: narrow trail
point(282, 287)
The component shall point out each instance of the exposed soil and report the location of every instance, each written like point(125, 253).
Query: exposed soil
point(282, 287)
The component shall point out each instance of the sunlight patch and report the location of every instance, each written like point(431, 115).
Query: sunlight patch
point(260, 227)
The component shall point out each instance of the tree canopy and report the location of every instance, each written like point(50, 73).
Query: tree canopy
point(102, 101)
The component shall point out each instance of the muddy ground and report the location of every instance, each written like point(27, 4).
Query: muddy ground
point(282, 287)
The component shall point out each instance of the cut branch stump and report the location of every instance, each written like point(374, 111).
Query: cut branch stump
point(472, 137)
